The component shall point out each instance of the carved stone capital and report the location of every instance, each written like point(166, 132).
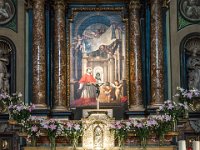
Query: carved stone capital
point(166, 4)
point(40, 2)
point(134, 4)
point(157, 2)
point(59, 3)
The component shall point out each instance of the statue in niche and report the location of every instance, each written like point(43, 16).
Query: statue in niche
point(193, 65)
point(190, 9)
point(98, 137)
point(4, 75)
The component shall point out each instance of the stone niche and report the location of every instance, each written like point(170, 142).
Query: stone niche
point(97, 134)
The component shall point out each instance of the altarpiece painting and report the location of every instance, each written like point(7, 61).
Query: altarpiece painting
point(98, 58)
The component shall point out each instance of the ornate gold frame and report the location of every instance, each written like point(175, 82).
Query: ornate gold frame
point(70, 20)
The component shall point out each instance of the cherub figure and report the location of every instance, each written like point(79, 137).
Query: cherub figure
point(118, 88)
point(107, 90)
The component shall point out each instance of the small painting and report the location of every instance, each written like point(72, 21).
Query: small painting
point(97, 58)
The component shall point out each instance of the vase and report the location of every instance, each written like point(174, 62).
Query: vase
point(186, 114)
point(161, 139)
point(74, 143)
point(34, 141)
point(120, 142)
point(174, 124)
point(143, 142)
point(52, 143)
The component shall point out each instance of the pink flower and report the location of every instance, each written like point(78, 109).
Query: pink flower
point(52, 127)
point(69, 125)
point(77, 127)
point(128, 124)
point(167, 117)
point(19, 94)
point(34, 128)
point(139, 125)
point(170, 106)
point(19, 107)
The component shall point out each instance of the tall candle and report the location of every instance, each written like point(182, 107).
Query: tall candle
point(181, 145)
point(195, 145)
point(97, 104)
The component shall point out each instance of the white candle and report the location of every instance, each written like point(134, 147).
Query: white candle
point(181, 145)
point(97, 104)
point(195, 145)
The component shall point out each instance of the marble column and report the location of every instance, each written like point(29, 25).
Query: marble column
point(60, 80)
point(136, 99)
point(157, 68)
point(38, 55)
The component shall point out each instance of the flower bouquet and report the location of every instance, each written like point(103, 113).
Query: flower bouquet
point(6, 100)
point(33, 129)
point(143, 128)
point(73, 130)
point(162, 127)
point(175, 110)
point(53, 129)
point(120, 129)
point(20, 112)
point(186, 96)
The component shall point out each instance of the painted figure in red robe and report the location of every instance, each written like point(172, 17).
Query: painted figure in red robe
point(88, 89)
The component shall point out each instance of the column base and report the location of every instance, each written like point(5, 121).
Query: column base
point(40, 106)
point(59, 109)
point(154, 106)
point(136, 108)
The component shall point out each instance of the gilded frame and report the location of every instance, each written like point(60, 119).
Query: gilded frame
point(69, 44)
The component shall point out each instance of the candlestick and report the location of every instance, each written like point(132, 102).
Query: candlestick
point(97, 104)
point(196, 145)
point(181, 145)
